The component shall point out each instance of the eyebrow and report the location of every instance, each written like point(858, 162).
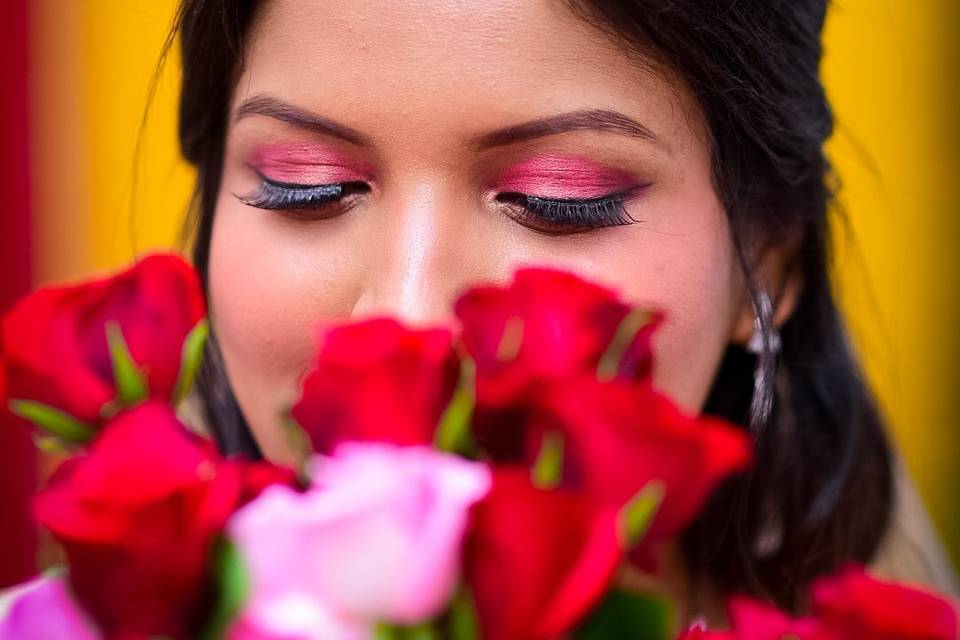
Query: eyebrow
point(277, 109)
point(586, 119)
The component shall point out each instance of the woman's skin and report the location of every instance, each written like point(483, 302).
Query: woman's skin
point(429, 92)
point(420, 87)
point(427, 105)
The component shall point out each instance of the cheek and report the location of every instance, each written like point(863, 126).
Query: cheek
point(695, 281)
point(692, 277)
point(268, 291)
point(271, 283)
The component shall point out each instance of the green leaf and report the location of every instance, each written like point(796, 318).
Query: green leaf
point(56, 572)
point(453, 432)
point(463, 617)
point(510, 340)
point(51, 445)
point(299, 444)
point(385, 631)
point(130, 382)
point(626, 333)
point(57, 422)
point(629, 615)
point(191, 358)
point(424, 631)
point(637, 515)
point(548, 468)
point(233, 584)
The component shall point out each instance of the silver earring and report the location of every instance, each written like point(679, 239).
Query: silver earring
point(765, 343)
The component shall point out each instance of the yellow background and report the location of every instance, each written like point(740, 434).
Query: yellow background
point(888, 70)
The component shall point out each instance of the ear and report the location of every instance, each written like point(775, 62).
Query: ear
point(778, 273)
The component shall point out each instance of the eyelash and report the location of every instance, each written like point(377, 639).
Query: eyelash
point(541, 214)
point(282, 196)
point(567, 216)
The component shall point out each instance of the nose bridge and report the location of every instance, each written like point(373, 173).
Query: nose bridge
point(414, 274)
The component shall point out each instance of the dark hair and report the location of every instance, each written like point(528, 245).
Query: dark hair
point(821, 490)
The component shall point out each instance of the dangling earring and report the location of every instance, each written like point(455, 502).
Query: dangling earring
point(765, 343)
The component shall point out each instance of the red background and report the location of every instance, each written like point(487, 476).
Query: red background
point(18, 540)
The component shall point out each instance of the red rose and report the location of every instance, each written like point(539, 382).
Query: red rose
point(545, 326)
point(56, 346)
point(856, 605)
point(618, 437)
point(548, 324)
point(537, 560)
point(754, 620)
point(137, 517)
point(378, 380)
point(849, 605)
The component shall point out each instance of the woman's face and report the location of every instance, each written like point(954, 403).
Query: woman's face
point(439, 117)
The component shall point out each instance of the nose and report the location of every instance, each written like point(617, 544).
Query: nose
point(420, 260)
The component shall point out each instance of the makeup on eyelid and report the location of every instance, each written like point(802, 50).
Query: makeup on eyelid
point(308, 165)
point(560, 177)
point(563, 178)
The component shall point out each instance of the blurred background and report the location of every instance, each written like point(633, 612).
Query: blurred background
point(79, 196)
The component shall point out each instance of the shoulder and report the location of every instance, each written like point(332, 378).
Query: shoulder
point(911, 551)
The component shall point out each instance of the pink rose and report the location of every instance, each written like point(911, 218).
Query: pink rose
point(377, 538)
point(45, 609)
point(296, 616)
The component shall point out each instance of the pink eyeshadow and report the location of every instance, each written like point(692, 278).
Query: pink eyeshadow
point(308, 164)
point(563, 177)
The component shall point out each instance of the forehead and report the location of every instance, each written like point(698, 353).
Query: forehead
point(452, 69)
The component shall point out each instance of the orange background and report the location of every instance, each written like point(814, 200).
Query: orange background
point(887, 70)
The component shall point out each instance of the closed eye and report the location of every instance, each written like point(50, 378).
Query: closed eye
point(548, 216)
point(557, 217)
point(310, 199)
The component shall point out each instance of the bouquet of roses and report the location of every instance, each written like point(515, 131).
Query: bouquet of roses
point(489, 482)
